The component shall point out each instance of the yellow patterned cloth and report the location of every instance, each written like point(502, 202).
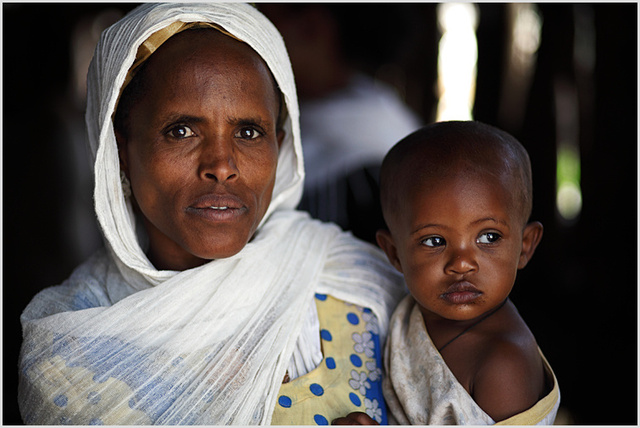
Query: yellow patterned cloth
point(349, 377)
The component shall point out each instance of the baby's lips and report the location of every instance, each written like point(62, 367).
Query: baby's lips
point(462, 286)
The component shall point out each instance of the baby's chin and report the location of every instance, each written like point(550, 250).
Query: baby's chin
point(456, 312)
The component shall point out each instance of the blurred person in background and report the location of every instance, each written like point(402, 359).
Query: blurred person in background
point(348, 118)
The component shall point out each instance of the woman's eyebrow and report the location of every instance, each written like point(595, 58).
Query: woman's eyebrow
point(180, 117)
point(255, 120)
point(176, 118)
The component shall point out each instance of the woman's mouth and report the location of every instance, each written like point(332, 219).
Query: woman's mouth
point(461, 292)
point(217, 207)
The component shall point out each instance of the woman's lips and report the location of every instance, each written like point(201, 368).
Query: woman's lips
point(217, 207)
point(461, 292)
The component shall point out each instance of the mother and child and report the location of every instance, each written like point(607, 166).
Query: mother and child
point(214, 301)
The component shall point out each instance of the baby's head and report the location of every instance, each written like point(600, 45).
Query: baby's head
point(456, 197)
point(446, 150)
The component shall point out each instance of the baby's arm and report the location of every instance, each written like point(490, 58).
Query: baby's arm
point(510, 381)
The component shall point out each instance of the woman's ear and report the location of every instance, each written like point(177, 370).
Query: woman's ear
point(121, 141)
point(386, 242)
point(280, 137)
point(530, 239)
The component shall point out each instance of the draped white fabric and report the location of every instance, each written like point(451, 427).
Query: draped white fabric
point(120, 342)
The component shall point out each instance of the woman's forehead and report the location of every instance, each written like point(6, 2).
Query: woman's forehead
point(191, 45)
point(210, 51)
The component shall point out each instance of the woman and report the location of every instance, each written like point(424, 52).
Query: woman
point(213, 302)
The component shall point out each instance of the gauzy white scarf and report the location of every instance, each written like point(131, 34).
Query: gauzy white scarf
point(122, 343)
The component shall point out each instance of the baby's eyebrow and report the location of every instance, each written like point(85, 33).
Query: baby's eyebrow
point(425, 226)
point(490, 219)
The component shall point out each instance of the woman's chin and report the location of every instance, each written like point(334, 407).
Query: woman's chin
point(219, 252)
point(191, 258)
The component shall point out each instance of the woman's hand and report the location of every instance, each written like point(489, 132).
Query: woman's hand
point(355, 418)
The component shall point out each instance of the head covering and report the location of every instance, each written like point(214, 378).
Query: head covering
point(115, 55)
point(122, 343)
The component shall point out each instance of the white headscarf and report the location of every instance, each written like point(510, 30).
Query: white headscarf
point(123, 343)
point(114, 56)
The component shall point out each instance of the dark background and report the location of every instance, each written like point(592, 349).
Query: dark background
point(578, 294)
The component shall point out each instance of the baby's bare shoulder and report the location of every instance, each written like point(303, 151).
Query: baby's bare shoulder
point(510, 374)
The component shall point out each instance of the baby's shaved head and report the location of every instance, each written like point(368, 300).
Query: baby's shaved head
point(453, 149)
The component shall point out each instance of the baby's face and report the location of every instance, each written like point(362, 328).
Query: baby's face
point(459, 244)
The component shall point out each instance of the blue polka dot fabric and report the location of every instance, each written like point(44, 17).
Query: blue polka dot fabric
point(349, 378)
point(284, 401)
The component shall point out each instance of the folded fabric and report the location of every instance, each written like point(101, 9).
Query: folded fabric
point(421, 390)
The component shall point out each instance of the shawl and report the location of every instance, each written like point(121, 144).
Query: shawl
point(420, 389)
point(120, 342)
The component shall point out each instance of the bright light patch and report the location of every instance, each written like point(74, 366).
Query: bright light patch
point(457, 61)
point(522, 42)
point(568, 193)
point(526, 33)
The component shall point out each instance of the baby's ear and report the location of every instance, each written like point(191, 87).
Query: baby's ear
point(386, 242)
point(530, 240)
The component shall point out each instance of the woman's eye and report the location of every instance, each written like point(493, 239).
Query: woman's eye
point(181, 131)
point(488, 238)
point(248, 133)
point(433, 241)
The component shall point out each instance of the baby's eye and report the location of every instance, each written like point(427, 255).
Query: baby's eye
point(248, 133)
point(433, 241)
point(181, 131)
point(488, 238)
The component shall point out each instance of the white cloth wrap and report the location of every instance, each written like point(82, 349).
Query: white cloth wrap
point(122, 343)
point(420, 389)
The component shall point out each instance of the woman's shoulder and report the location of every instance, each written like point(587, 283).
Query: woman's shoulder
point(85, 288)
point(353, 258)
point(345, 251)
point(357, 253)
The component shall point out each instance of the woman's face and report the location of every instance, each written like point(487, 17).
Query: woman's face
point(201, 148)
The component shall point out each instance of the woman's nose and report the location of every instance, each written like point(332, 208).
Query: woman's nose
point(461, 261)
point(218, 161)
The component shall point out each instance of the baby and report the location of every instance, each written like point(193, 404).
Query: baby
point(457, 197)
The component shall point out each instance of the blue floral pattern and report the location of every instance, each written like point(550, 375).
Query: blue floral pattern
point(350, 376)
